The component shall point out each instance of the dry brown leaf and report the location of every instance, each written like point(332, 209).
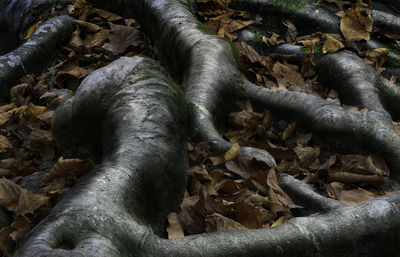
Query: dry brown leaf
point(63, 76)
point(376, 58)
point(331, 44)
point(228, 26)
point(174, 229)
point(356, 22)
point(10, 235)
point(286, 76)
point(108, 15)
point(97, 39)
point(69, 168)
point(288, 130)
point(88, 27)
point(188, 201)
point(306, 155)
point(216, 222)
point(247, 53)
point(4, 144)
point(245, 119)
point(272, 40)
point(291, 33)
point(308, 68)
point(41, 141)
point(310, 40)
point(356, 196)
point(76, 41)
point(17, 199)
point(250, 216)
point(46, 117)
point(122, 37)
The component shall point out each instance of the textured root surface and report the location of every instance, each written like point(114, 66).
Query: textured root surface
point(17, 16)
point(35, 54)
point(110, 211)
point(119, 207)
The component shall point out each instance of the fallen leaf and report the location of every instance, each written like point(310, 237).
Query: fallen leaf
point(376, 58)
point(87, 26)
point(10, 235)
point(247, 53)
point(108, 15)
point(272, 40)
point(69, 168)
point(232, 153)
point(288, 131)
point(97, 39)
point(356, 22)
point(286, 76)
point(356, 196)
point(174, 229)
point(4, 144)
point(280, 221)
point(331, 44)
point(121, 37)
point(19, 200)
point(216, 222)
point(291, 33)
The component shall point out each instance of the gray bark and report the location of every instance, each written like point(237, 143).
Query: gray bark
point(140, 121)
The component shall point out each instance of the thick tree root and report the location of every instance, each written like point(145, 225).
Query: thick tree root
point(142, 175)
point(35, 54)
point(204, 63)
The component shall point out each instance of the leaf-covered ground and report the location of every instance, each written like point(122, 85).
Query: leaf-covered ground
point(225, 191)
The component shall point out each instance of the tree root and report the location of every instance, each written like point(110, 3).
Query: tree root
point(35, 54)
point(119, 208)
point(110, 211)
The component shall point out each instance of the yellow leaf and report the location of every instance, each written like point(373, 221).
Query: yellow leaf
point(280, 221)
point(30, 32)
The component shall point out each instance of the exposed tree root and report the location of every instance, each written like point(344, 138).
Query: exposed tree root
point(119, 208)
point(35, 54)
point(113, 208)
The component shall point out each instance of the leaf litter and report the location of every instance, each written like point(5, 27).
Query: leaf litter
point(225, 191)
point(241, 193)
point(33, 173)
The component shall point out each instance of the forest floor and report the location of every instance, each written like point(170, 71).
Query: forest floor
point(225, 191)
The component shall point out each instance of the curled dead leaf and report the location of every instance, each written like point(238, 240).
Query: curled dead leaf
point(68, 168)
point(217, 222)
point(19, 200)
